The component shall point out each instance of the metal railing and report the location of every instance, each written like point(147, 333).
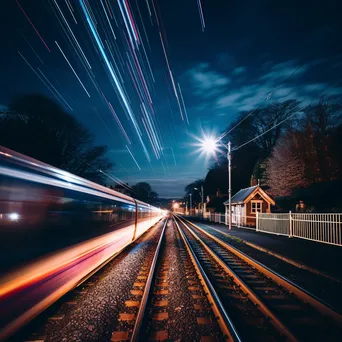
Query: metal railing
point(324, 228)
point(273, 223)
point(239, 221)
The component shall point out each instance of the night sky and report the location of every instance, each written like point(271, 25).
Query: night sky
point(104, 62)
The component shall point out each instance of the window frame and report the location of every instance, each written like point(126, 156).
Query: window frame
point(257, 203)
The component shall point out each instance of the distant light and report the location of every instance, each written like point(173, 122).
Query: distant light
point(13, 216)
point(175, 205)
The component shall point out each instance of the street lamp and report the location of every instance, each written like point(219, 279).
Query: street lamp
point(190, 203)
point(229, 157)
point(202, 198)
point(210, 146)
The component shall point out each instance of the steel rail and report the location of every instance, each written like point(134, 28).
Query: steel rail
point(299, 292)
point(140, 316)
point(224, 321)
point(276, 322)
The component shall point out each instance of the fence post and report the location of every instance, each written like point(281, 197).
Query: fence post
point(257, 222)
point(290, 220)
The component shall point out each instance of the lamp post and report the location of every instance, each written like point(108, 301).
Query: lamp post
point(202, 197)
point(190, 203)
point(229, 157)
point(209, 145)
point(202, 190)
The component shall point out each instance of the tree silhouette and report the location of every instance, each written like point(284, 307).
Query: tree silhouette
point(144, 192)
point(38, 127)
point(194, 189)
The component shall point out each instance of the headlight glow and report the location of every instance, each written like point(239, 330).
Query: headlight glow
point(13, 216)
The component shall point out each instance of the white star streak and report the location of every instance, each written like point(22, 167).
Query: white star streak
point(38, 75)
point(110, 25)
point(119, 122)
point(181, 95)
point(72, 69)
point(31, 47)
point(55, 89)
point(72, 34)
point(126, 24)
point(171, 76)
point(71, 10)
point(201, 14)
point(133, 157)
point(131, 21)
point(114, 77)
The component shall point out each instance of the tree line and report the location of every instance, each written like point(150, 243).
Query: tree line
point(297, 155)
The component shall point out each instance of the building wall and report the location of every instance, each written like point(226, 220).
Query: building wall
point(251, 217)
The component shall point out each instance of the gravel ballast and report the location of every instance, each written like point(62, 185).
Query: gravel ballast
point(182, 324)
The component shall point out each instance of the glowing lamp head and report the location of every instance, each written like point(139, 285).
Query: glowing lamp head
point(13, 216)
point(209, 145)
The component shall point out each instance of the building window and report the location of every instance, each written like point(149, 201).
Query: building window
point(256, 206)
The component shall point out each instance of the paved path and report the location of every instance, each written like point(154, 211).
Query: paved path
point(320, 256)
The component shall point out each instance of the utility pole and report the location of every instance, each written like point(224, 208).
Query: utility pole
point(202, 190)
point(190, 203)
point(229, 156)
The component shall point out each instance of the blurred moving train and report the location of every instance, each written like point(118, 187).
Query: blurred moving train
point(56, 229)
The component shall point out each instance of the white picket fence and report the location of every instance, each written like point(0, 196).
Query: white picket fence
point(324, 228)
point(239, 221)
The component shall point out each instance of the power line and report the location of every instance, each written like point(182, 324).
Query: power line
point(279, 123)
point(260, 135)
point(266, 99)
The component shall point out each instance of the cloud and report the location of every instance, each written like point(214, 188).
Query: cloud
point(226, 101)
point(314, 87)
point(238, 71)
point(280, 71)
point(279, 84)
point(205, 79)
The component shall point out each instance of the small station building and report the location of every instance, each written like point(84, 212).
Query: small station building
point(246, 203)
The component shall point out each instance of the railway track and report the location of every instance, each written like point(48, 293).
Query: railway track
point(262, 304)
point(162, 300)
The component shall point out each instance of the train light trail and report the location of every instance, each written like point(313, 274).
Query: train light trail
point(13, 216)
